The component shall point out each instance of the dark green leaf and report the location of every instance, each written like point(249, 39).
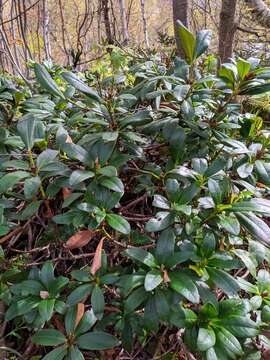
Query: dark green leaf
point(45, 308)
point(184, 285)
point(223, 281)
point(46, 81)
point(56, 354)
point(118, 223)
point(152, 280)
point(141, 255)
point(73, 80)
point(48, 337)
point(165, 246)
point(206, 339)
point(113, 183)
point(97, 340)
point(188, 41)
point(98, 302)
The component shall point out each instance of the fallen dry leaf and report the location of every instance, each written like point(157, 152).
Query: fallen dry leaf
point(80, 239)
point(80, 313)
point(96, 265)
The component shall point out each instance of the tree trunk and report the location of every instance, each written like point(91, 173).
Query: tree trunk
point(124, 21)
point(180, 12)
point(227, 28)
point(2, 64)
point(46, 39)
point(260, 11)
point(105, 11)
point(145, 30)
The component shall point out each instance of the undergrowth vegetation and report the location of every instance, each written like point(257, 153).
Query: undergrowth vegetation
point(133, 210)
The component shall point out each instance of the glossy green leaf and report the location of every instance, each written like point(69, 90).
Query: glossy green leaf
point(8, 181)
point(188, 41)
point(255, 226)
point(98, 302)
point(135, 299)
point(152, 280)
point(79, 294)
point(113, 183)
point(206, 339)
point(73, 80)
point(46, 81)
point(56, 354)
point(203, 39)
point(31, 186)
point(184, 285)
point(48, 337)
point(26, 128)
point(165, 246)
point(142, 256)
point(47, 274)
point(224, 281)
point(45, 308)
point(79, 176)
point(97, 340)
point(230, 344)
point(118, 223)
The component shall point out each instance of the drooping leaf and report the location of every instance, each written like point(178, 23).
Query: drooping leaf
point(96, 265)
point(73, 80)
point(46, 81)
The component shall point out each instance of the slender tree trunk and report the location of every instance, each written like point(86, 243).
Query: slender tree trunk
point(145, 29)
point(46, 36)
point(260, 11)
point(124, 21)
point(106, 18)
point(2, 65)
point(63, 30)
point(227, 28)
point(13, 33)
point(180, 12)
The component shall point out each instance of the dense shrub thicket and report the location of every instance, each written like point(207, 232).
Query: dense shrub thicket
point(133, 210)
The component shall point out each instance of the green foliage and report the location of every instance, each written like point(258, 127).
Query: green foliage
point(168, 177)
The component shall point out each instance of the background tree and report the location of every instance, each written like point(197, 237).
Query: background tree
point(78, 29)
point(260, 11)
point(145, 29)
point(124, 21)
point(180, 12)
point(227, 28)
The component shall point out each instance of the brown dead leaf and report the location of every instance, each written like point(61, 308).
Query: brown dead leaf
point(80, 313)
point(80, 239)
point(66, 192)
point(96, 265)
